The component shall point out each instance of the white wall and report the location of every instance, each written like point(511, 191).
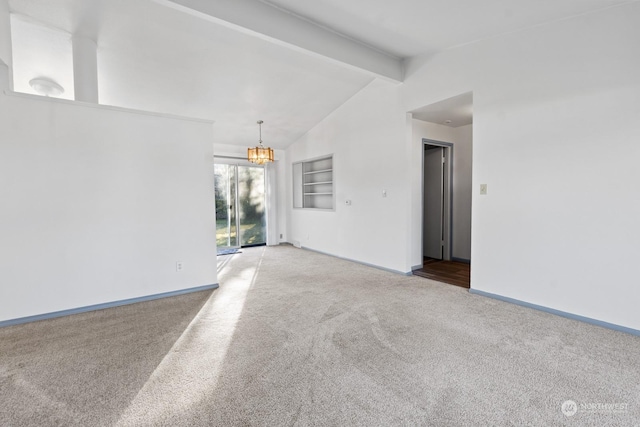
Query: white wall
point(6, 78)
point(230, 150)
point(555, 131)
point(282, 187)
point(366, 135)
point(555, 136)
point(462, 190)
point(461, 138)
point(98, 204)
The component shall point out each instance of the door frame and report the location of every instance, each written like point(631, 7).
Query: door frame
point(241, 161)
point(236, 222)
point(448, 197)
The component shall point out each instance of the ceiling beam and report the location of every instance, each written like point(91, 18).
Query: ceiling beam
point(278, 26)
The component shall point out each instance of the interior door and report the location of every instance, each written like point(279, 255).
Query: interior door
point(433, 202)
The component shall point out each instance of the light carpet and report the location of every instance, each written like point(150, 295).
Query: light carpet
point(296, 338)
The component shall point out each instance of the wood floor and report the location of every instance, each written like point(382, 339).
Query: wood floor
point(451, 272)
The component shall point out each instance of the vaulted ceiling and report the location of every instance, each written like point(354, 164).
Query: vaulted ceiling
point(287, 62)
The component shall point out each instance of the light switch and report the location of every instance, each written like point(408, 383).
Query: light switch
point(483, 189)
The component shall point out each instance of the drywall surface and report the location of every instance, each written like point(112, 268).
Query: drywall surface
point(98, 205)
point(462, 182)
point(555, 139)
point(228, 150)
point(282, 188)
point(366, 136)
point(461, 138)
point(5, 45)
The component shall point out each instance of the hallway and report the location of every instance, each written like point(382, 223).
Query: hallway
point(451, 272)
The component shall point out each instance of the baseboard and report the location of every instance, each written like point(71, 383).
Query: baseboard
point(390, 270)
point(558, 312)
point(417, 267)
point(112, 304)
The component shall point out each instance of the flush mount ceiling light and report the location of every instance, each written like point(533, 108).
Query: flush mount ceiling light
point(259, 154)
point(46, 87)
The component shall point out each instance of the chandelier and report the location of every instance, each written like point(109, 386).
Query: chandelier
point(259, 154)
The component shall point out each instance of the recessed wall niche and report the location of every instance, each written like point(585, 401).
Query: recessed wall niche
point(313, 185)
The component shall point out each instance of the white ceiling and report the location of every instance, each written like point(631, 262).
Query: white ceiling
point(406, 28)
point(453, 112)
point(157, 58)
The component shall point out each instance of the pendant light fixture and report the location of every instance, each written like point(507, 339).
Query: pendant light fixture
point(259, 154)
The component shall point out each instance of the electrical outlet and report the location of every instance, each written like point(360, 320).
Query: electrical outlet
point(483, 189)
point(384, 193)
point(281, 235)
point(179, 266)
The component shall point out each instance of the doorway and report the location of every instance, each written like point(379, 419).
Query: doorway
point(240, 205)
point(436, 211)
point(437, 240)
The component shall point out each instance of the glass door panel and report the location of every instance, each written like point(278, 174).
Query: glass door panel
point(251, 205)
point(225, 196)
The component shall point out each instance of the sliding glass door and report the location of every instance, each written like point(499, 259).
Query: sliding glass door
point(251, 206)
point(240, 205)
point(226, 218)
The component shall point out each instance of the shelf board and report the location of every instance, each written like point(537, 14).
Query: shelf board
point(308, 208)
point(319, 183)
point(318, 194)
point(320, 171)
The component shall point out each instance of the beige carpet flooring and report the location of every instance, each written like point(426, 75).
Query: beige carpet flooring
point(295, 338)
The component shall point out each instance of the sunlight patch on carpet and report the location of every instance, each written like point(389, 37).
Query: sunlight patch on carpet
point(191, 368)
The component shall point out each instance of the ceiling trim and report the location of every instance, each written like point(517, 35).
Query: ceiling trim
point(277, 26)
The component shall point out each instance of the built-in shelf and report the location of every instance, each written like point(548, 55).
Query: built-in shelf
point(319, 183)
point(313, 186)
point(320, 171)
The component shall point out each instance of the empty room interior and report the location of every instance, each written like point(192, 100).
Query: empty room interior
point(273, 212)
